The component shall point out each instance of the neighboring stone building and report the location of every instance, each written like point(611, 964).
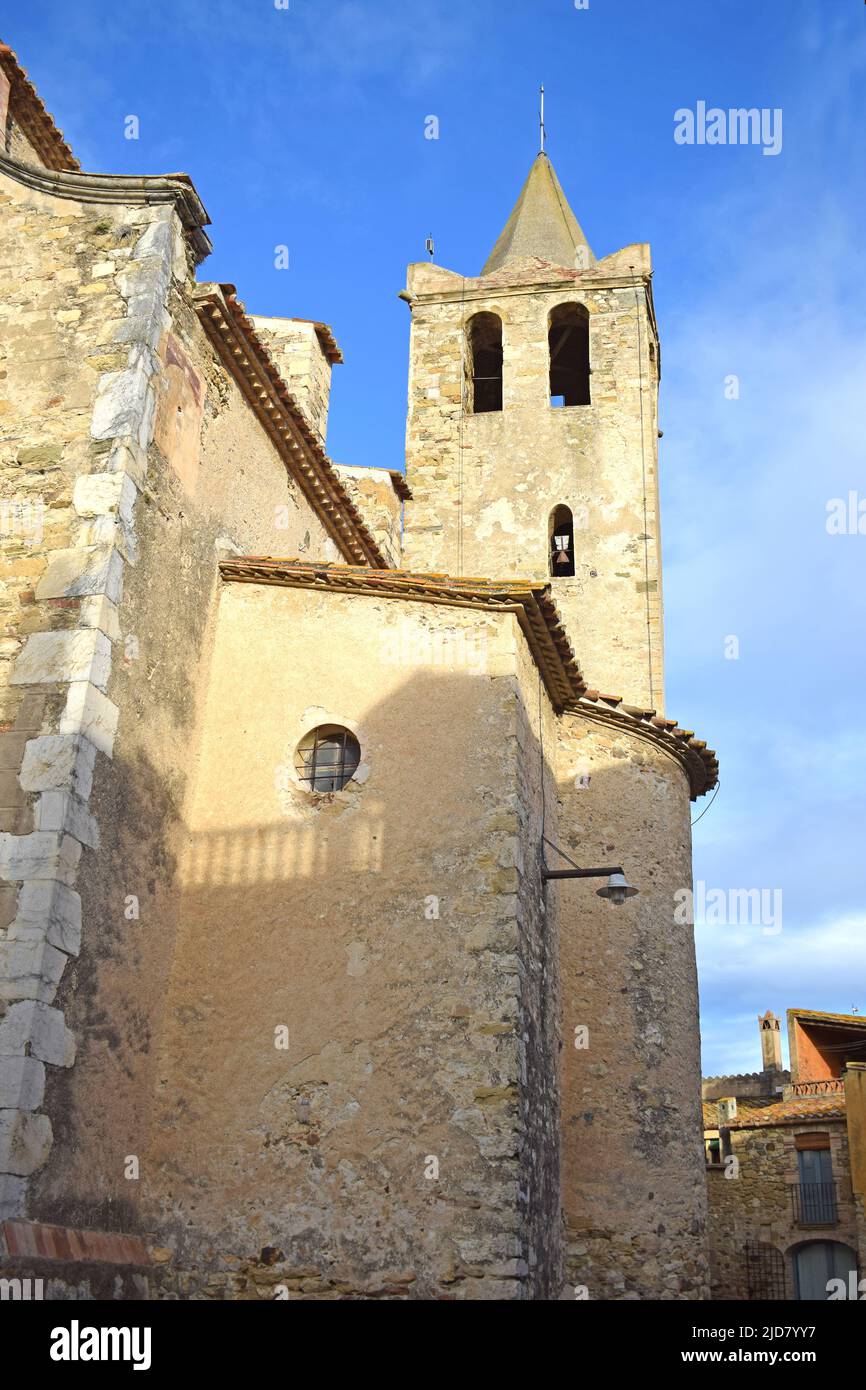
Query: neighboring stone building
point(786, 1164)
point(289, 999)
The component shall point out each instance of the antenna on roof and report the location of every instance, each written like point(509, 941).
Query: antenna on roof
point(543, 132)
point(429, 247)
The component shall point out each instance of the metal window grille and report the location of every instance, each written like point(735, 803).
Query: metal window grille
point(765, 1271)
point(814, 1203)
point(328, 759)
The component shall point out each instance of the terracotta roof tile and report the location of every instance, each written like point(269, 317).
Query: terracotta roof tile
point(35, 1240)
point(700, 761)
point(35, 121)
point(250, 363)
point(789, 1112)
point(401, 487)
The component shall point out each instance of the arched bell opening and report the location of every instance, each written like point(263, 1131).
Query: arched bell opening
point(561, 543)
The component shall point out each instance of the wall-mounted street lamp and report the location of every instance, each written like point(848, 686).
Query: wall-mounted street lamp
point(617, 890)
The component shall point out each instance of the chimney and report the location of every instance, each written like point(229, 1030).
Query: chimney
point(771, 1042)
point(727, 1109)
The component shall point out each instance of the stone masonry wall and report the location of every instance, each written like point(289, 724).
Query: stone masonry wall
point(485, 485)
point(130, 462)
point(75, 376)
point(633, 1185)
point(539, 951)
point(756, 1204)
point(303, 365)
point(373, 493)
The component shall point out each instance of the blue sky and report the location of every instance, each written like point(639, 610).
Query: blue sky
point(304, 127)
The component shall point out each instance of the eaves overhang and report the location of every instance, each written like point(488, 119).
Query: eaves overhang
point(247, 359)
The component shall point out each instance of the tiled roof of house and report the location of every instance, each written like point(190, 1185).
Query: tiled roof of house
point(36, 122)
point(818, 1016)
point(752, 1114)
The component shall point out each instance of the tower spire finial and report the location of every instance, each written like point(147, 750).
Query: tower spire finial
point(541, 120)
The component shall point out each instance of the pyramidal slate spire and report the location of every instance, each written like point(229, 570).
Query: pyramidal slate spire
point(541, 224)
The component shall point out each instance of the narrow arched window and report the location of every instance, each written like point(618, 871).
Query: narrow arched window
point(484, 364)
point(561, 531)
point(568, 337)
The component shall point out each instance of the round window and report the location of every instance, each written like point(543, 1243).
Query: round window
point(327, 758)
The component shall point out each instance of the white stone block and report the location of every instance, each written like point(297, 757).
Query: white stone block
point(48, 911)
point(99, 611)
point(22, 1083)
point(29, 1025)
point(121, 401)
point(56, 657)
point(42, 854)
point(25, 1142)
point(13, 1193)
point(96, 494)
point(127, 456)
point(83, 569)
point(30, 970)
point(61, 811)
point(92, 714)
point(58, 760)
point(155, 241)
point(110, 533)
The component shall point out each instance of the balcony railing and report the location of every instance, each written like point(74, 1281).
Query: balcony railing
point(814, 1203)
point(832, 1086)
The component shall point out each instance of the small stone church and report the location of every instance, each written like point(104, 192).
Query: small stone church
point(338, 951)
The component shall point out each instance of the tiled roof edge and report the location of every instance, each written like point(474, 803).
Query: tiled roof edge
point(401, 487)
point(325, 334)
point(530, 602)
point(36, 122)
point(834, 1020)
point(699, 761)
point(760, 1119)
point(248, 360)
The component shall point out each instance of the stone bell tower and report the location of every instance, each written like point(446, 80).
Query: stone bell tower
point(532, 435)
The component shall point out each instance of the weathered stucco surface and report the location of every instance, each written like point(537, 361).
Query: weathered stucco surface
point(385, 927)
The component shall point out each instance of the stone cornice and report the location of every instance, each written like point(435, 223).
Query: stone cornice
point(488, 289)
point(247, 359)
point(131, 190)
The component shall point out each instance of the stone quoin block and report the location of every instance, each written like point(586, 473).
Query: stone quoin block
point(60, 657)
point(39, 1028)
point(25, 1142)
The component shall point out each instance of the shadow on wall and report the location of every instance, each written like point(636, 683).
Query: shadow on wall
point(312, 1005)
point(361, 985)
point(324, 998)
